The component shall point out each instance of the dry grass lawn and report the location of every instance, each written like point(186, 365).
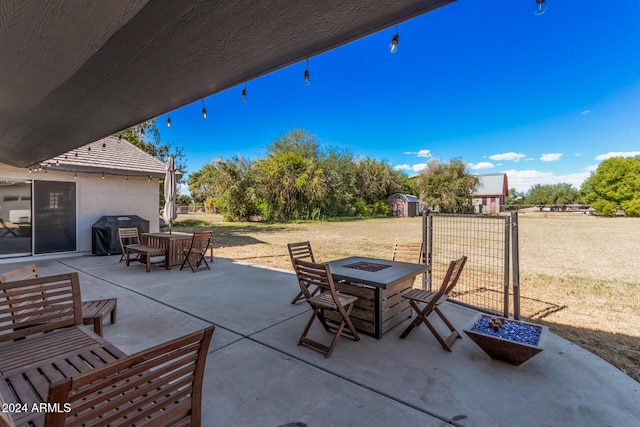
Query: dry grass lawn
point(587, 265)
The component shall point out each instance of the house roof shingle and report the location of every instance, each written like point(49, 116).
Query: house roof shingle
point(109, 155)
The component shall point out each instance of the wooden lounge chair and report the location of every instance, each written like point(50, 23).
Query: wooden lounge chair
point(161, 386)
point(133, 250)
point(330, 300)
point(301, 250)
point(93, 312)
point(408, 252)
point(432, 301)
point(197, 251)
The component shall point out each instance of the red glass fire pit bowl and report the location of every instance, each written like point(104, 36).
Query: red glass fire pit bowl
point(515, 342)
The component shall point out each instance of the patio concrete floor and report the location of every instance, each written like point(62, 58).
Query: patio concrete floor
point(256, 375)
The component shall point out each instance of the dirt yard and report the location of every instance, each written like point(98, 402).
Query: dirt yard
point(587, 266)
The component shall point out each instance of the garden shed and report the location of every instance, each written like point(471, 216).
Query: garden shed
point(491, 194)
point(404, 205)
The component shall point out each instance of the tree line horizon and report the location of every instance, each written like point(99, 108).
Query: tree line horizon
point(298, 179)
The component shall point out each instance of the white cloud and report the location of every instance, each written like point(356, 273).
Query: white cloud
point(481, 165)
point(419, 167)
point(404, 167)
point(421, 153)
point(551, 157)
point(510, 156)
point(585, 112)
point(611, 154)
point(523, 180)
point(591, 168)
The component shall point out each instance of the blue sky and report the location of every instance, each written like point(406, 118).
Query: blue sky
point(542, 98)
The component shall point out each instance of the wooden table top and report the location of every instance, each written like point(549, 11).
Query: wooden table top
point(395, 272)
point(166, 235)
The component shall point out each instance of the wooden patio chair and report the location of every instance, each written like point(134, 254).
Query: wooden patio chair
point(301, 250)
point(328, 301)
point(408, 252)
point(134, 250)
point(161, 386)
point(432, 301)
point(197, 251)
point(93, 312)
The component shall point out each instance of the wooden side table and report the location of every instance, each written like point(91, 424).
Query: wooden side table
point(94, 312)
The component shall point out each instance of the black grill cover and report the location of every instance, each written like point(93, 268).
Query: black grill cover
point(104, 233)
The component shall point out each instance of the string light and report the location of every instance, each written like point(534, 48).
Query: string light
point(142, 133)
point(89, 148)
point(204, 110)
point(102, 175)
point(307, 75)
point(169, 121)
point(149, 179)
point(393, 46)
point(540, 7)
point(75, 176)
point(243, 96)
point(104, 146)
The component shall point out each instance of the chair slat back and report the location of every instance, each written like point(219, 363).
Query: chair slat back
point(301, 250)
point(408, 251)
point(161, 386)
point(319, 275)
point(38, 305)
point(23, 273)
point(201, 240)
point(128, 236)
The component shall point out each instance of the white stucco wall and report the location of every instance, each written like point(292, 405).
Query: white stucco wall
point(95, 197)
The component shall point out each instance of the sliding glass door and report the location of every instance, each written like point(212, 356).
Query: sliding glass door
point(15, 218)
point(54, 212)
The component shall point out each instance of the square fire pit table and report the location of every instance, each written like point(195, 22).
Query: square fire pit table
point(379, 285)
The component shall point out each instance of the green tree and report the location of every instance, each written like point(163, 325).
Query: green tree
point(290, 186)
point(375, 182)
point(447, 187)
point(553, 194)
point(515, 198)
point(614, 185)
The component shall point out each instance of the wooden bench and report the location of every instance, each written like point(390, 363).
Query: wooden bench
point(46, 356)
point(93, 312)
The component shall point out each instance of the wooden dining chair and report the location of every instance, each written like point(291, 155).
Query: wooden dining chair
point(432, 301)
point(301, 250)
point(197, 251)
point(133, 250)
point(408, 252)
point(330, 307)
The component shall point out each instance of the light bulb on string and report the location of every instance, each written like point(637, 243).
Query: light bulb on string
point(243, 96)
point(75, 176)
point(307, 75)
point(169, 121)
point(142, 133)
point(393, 46)
point(540, 7)
point(204, 110)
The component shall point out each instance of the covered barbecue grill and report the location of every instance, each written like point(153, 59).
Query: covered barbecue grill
point(104, 233)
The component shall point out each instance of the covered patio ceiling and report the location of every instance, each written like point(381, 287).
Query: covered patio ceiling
point(74, 71)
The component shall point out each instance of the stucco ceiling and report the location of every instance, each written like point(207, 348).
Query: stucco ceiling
point(74, 71)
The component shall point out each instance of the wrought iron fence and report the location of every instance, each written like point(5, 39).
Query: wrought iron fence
point(491, 244)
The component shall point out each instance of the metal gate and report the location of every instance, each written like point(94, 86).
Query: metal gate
point(487, 241)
